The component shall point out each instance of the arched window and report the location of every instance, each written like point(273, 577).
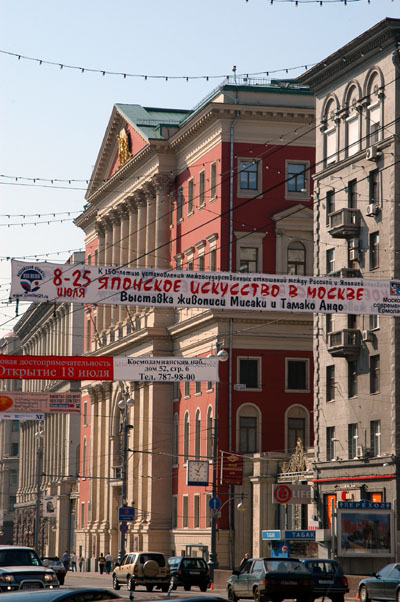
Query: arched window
point(353, 132)
point(84, 456)
point(296, 258)
point(374, 115)
point(197, 433)
point(176, 438)
point(248, 427)
point(210, 432)
point(186, 433)
point(330, 131)
point(297, 427)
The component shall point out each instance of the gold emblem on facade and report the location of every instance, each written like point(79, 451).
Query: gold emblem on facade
point(123, 146)
point(297, 462)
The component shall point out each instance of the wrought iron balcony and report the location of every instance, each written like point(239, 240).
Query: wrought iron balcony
point(344, 223)
point(344, 343)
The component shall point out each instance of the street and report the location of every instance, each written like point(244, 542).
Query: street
point(97, 580)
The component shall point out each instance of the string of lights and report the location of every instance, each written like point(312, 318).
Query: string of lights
point(320, 2)
point(39, 215)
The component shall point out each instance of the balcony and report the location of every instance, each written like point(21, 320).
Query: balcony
point(344, 223)
point(344, 343)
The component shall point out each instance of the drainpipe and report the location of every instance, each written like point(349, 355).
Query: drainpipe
point(230, 335)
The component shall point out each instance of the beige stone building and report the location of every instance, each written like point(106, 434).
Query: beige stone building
point(357, 233)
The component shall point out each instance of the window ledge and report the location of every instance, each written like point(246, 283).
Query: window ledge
point(189, 213)
point(297, 390)
point(251, 389)
point(197, 394)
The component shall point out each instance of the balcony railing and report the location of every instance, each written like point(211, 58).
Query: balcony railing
point(344, 343)
point(344, 223)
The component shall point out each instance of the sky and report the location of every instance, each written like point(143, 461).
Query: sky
point(53, 119)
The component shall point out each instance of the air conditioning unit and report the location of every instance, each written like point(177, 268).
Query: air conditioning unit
point(366, 336)
point(372, 209)
point(372, 153)
point(353, 255)
point(353, 243)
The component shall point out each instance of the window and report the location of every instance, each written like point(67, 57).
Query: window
point(213, 181)
point(88, 333)
point(15, 426)
point(13, 477)
point(96, 257)
point(352, 194)
point(210, 433)
point(185, 505)
point(179, 261)
point(297, 375)
point(174, 512)
point(373, 182)
point(330, 442)
point(375, 437)
point(82, 514)
point(352, 440)
point(330, 204)
point(208, 510)
point(373, 250)
point(248, 175)
point(84, 453)
point(197, 386)
point(353, 137)
point(14, 449)
point(201, 189)
point(89, 259)
point(197, 435)
point(297, 179)
point(374, 373)
point(352, 321)
point(171, 214)
point(329, 323)
point(176, 439)
point(352, 378)
point(84, 413)
point(12, 502)
point(249, 372)
point(248, 434)
point(190, 197)
point(374, 122)
point(330, 261)
point(186, 388)
point(330, 383)
point(200, 263)
point(296, 430)
point(196, 513)
point(213, 260)
point(296, 258)
point(186, 433)
point(373, 322)
point(209, 385)
point(248, 259)
point(179, 205)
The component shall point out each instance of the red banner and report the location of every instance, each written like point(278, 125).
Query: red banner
point(231, 469)
point(56, 367)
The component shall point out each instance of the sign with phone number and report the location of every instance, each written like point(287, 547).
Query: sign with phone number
point(166, 369)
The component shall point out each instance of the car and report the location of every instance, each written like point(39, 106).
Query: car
point(329, 579)
point(55, 563)
point(188, 571)
point(87, 594)
point(271, 579)
point(21, 568)
point(150, 569)
point(384, 585)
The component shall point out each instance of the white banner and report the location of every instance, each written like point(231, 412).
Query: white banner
point(51, 282)
point(166, 369)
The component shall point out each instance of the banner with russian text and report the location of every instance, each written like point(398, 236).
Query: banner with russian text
point(49, 282)
point(56, 367)
point(18, 405)
point(166, 369)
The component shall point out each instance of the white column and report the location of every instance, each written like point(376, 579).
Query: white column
point(150, 224)
point(141, 229)
point(116, 245)
point(162, 185)
point(101, 261)
point(133, 234)
point(108, 239)
point(124, 247)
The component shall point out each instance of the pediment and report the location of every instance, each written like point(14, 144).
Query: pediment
point(295, 217)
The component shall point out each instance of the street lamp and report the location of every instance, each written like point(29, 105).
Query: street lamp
point(39, 437)
point(222, 356)
point(124, 404)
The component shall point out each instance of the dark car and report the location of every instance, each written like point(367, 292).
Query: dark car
point(21, 568)
point(55, 563)
point(273, 579)
point(329, 579)
point(87, 594)
point(188, 571)
point(384, 585)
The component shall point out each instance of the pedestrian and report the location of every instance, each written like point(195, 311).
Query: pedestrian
point(109, 560)
point(73, 562)
point(102, 563)
point(81, 561)
point(244, 560)
point(65, 559)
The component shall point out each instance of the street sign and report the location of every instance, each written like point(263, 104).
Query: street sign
point(366, 504)
point(123, 527)
point(126, 513)
point(215, 514)
point(214, 503)
point(301, 534)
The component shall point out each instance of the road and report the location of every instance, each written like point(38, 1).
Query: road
point(97, 580)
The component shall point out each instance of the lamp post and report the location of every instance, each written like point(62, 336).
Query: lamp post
point(39, 437)
point(124, 404)
point(222, 356)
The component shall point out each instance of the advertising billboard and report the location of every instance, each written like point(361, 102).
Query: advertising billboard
point(365, 532)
